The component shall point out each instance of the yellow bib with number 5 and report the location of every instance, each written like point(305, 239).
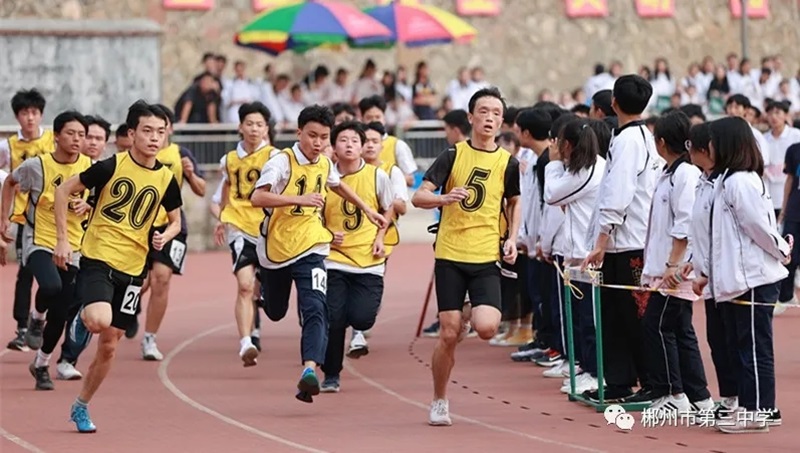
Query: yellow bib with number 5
point(468, 230)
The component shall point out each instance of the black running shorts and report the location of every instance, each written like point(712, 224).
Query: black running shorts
point(99, 283)
point(455, 280)
point(173, 254)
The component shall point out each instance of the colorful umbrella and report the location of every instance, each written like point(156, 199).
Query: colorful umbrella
point(417, 25)
point(303, 25)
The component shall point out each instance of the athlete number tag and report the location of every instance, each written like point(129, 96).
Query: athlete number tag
point(319, 280)
point(176, 252)
point(130, 301)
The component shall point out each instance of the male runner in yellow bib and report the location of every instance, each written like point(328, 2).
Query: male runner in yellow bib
point(31, 141)
point(294, 185)
point(38, 178)
point(358, 255)
point(476, 176)
point(240, 221)
point(394, 151)
point(129, 188)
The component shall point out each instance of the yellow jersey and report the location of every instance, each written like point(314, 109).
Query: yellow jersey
point(392, 237)
point(170, 157)
point(20, 150)
point(294, 230)
point(242, 174)
point(359, 232)
point(469, 231)
point(128, 197)
point(388, 154)
point(42, 211)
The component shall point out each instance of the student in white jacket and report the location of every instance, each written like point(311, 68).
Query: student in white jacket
point(616, 239)
point(743, 269)
point(677, 377)
point(721, 354)
point(572, 181)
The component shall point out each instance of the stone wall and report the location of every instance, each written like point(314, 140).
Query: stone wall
point(530, 46)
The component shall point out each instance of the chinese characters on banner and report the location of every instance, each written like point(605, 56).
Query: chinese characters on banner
point(189, 4)
point(478, 7)
point(263, 5)
point(587, 8)
point(758, 9)
point(655, 8)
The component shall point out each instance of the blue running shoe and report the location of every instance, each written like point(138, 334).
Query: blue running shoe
point(80, 415)
point(78, 333)
point(309, 382)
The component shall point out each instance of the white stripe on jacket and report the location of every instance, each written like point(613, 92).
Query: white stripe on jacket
point(700, 233)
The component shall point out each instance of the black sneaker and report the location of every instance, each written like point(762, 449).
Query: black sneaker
point(774, 418)
point(33, 336)
point(42, 376)
point(535, 344)
point(612, 394)
point(256, 342)
point(643, 395)
point(432, 331)
point(18, 343)
point(132, 329)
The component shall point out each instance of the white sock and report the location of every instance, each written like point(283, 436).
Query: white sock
point(245, 343)
point(38, 316)
point(149, 337)
point(256, 333)
point(42, 359)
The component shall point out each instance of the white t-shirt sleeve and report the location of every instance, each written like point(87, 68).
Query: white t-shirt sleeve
point(400, 189)
point(5, 154)
point(223, 163)
point(333, 175)
point(405, 159)
point(385, 191)
point(217, 197)
point(3, 175)
point(275, 172)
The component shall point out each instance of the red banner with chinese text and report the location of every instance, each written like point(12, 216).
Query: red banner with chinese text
point(189, 4)
point(263, 5)
point(587, 8)
point(478, 7)
point(758, 9)
point(655, 8)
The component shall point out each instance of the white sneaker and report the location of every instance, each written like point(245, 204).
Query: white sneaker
point(558, 371)
point(249, 355)
point(150, 351)
point(358, 346)
point(65, 371)
point(583, 383)
point(672, 406)
point(743, 421)
point(440, 413)
point(705, 405)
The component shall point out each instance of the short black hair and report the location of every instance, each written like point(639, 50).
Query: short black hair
point(560, 122)
point(780, 105)
point(693, 111)
point(492, 92)
point(98, 120)
point(739, 99)
point(458, 118)
point(735, 146)
point(122, 131)
point(536, 121)
point(348, 126)
point(377, 127)
point(141, 109)
point(169, 112)
point(63, 118)
point(674, 130)
point(375, 101)
point(509, 137)
point(602, 101)
point(340, 107)
point(602, 131)
point(552, 109)
point(632, 93)
point(700, 136)
point(25, 99)
point(510, 115)
point(580, 108)
point(316, 113)
point(254, 107)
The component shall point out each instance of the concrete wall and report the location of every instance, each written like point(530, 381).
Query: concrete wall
point(96, 67)
point(530, 46)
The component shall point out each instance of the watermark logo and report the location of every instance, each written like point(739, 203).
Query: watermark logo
point(616, 415)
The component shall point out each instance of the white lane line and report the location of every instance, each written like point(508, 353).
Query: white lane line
point(163, 376)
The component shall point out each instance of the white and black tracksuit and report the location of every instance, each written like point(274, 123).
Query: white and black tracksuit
point(721, 355)
point(623, 206)
point(576, 194)
point(673, 360)
point(743, 263)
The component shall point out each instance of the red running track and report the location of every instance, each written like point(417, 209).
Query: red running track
point(201, 399)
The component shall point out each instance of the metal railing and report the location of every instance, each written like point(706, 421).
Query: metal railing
point(209, 142)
